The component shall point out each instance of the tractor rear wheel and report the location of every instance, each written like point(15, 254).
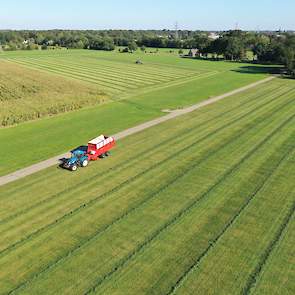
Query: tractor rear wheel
point(74, 168)
point(85, 163)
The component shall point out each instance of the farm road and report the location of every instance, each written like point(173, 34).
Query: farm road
point(56, 160)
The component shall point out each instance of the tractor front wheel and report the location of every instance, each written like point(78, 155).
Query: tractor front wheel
point(74, 168)
point(85, 163)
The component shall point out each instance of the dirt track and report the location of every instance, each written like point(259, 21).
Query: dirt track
point(56, 160)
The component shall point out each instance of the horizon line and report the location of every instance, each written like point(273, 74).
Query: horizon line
point(159, 29)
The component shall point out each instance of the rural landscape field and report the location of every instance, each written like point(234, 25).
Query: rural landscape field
point(143, 158)
point(223, 176)
point(126, 94)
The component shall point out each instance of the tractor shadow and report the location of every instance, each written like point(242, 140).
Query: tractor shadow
point(60, 165)
point(256, 69)
point(253, 67)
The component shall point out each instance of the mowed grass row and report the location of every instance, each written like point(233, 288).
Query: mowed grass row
point(52, 136)
point(110, 79)
point(105, 74)
point(130, 235)
point(163, 71)
point(278, 274)
point(113, 63)
point(194, 160)
point(21, 209)
point(18, 225)
point(247, 243)
point(115, 68)
point(183, 129)
point(191, 241)
point(160, 59)
point(16, 190)
point(163, 82)
point(43, 207)
point(126, 75)
point(112, 88)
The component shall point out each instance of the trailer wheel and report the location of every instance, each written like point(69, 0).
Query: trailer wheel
point(85, 163)
point(74, 168)
point(108, 154)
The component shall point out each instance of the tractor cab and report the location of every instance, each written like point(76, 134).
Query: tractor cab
point(78, 158)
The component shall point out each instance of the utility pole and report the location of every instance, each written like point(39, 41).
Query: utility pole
point(257, 29)
point(176, 30)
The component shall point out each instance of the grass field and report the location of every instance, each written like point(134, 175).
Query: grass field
point(200, 204)
point(136, 94)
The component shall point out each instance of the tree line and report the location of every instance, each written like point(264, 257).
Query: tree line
point(276, 48)
point(267, 47)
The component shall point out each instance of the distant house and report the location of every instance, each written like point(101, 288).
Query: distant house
point(29, 41)
point(213, 36)
point(194, 53)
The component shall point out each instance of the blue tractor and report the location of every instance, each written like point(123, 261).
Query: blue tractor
point(78, 158)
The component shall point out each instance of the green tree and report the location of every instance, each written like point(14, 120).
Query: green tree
point(289, 60)
point(201, 41)
point(235, 49)
point(132, 46)
point(79, 44)
point(259, 49)
point(108, 44)
point(99, 43)
point(258, 44)
point(217, 47)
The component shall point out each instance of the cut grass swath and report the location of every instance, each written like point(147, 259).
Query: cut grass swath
point(172, 221)
point(171, 157)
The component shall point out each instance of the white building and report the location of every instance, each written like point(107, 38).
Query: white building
point(213, 36)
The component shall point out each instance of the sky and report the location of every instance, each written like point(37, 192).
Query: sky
point(148, 14)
